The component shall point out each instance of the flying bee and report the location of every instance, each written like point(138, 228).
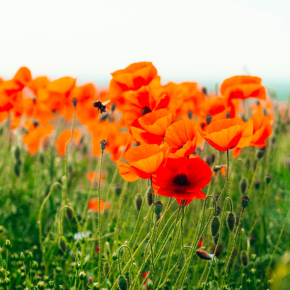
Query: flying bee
point(101, 106)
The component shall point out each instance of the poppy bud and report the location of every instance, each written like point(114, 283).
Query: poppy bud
point(62, 245)
point(257, 184)
point(245, 201)
point(69, 214)
point(113, 107)
point(244, 258)
point(208, 118)
point(74, 101)
point(203, 255)
point(150, 284)
point(78, 243)
point(260, 152)
point(115, 256)
point(138, 201)
point(158, 207)
point(231, 221)
point(29, 256)
point(122, 283)
point(243, 185)
point(268, 178)
point(189, 114)
point(96, 286)
point(83, 240)
point(17, 153)
point(118, 189)
point(8, 244)
point(218, 210)
point(149, 196)
point(215, 225)
point(228, 115)
point(103, 145)
point(82, 275)
point(216, 197)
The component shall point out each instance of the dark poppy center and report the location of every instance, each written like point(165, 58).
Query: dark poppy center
point(181, 180)
point(145, 111)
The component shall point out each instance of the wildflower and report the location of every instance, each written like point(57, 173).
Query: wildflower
point(91, 176)
point(94, 205)
point(143, 161)
point(63, 139)
point(182, 178)
point(228, 133)
point(79, 235)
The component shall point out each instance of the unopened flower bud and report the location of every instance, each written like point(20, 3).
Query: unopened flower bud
point(115, 256)
point(138, 201)
point(83, 240)
point(22, 257)
point(62, 245)
point(78, 265)
point(260, 152)
point(231, 221)
point(243, 185)
point(118, 189)
point(253, 257)
point(252, 240)
point(8, 244)
point(244, 258)
point(237, 220)
point(34, 265)
point(51, 283)
point(158, 207)
point(245, 201)
point(215, 225)
point(103, 145)
point(208, 118)
point(149, 196)
point(78, 243)
point(203, 255)
point(122, 283)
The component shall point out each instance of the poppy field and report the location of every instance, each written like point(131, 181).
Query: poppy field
point(143, 185)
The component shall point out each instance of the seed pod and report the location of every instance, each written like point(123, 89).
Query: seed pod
point(260, 152)
point(138, 201)
point(243, 185)
point(257, 184)
point(208, 118)
point(149, 196)
point(228, 115)
point(244, 258)
point(75, 102)
point(268, 178)
point(158, 207)
point(103, 144)
point(231, 221)
point(245, 201)
point(115, 256)
point(189, 114)
point(122, 283)
point(203, 255)
point(118, 189)
point(215, 225)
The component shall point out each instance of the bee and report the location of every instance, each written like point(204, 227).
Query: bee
point(101, 106)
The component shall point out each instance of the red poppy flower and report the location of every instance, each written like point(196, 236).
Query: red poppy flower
point(181, 137)
point(227, 134)
point(182, 178)
point(94, 205)
point(143, 161)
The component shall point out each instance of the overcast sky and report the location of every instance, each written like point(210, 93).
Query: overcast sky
point(185, 40)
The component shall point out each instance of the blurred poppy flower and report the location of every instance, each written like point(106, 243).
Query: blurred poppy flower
point(143, 161)
point(63, 139)
point(227, 134)
point(91, 176)
point(243, 87)
point(94, 205)
point(181, 137)
point(182, 178)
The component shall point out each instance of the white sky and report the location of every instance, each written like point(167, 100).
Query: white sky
point(185, 40)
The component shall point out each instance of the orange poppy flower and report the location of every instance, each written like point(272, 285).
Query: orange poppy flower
point(143, 161)
point(151, 128)
point(63, 139)
point(262, 130)
point(94, 205)
point(33, 138)
point(132, 78)
point(91, 176)
point(243, 87)
point(227, 134)
point(182, 178)
point(23, 76)
point(181, 137)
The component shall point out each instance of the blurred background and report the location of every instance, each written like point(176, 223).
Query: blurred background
point(203, 41)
